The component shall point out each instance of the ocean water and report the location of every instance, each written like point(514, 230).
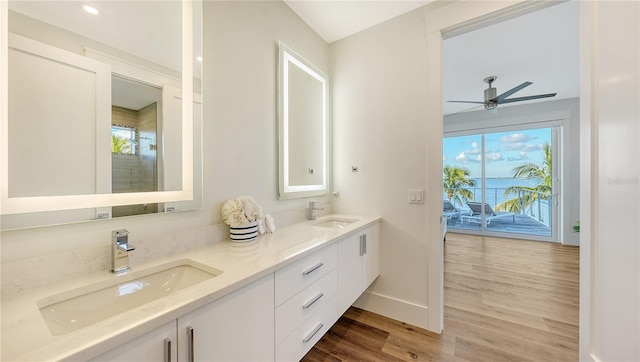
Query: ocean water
point(495, 188)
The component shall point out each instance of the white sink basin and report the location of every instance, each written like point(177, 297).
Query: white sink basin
point(70, 311)
point(335, 223)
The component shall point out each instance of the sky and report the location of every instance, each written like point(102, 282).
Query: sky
point(503, 151)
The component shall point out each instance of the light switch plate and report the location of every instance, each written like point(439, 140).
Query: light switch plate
point(416, 196)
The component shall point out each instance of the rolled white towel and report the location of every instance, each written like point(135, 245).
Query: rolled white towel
point(269, 223)
point(261, 227)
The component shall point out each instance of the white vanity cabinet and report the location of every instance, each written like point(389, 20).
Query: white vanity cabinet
point(236, 327)
point(278, 317)
point(358, 264)
point(159, 344)
point(305, 296)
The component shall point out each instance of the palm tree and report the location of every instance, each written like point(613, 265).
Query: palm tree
point(530, 194)
point(120, 145)
point(455, 179)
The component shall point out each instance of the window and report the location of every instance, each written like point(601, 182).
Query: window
point(123, 140)
point(510, 173)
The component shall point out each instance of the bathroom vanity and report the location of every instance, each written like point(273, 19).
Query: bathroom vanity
point(269, 299)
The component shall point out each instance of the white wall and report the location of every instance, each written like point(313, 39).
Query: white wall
point(565, 113)
point(610, 273)
point(239, 152)
point(379, 87)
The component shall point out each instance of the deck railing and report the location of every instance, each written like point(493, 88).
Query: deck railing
point(540, 208)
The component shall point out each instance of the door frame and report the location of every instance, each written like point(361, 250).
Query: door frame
point(457, 18)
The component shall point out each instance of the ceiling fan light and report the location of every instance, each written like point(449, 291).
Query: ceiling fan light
point(490, 105)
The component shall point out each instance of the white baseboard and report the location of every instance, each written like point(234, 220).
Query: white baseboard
point(417, 315)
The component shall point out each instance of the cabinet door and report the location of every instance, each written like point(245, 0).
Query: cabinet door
point(148, 347)
point(349, 271)
point(236, 327)
point(371, 257)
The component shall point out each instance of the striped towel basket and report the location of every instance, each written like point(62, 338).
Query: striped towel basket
point(243, 233)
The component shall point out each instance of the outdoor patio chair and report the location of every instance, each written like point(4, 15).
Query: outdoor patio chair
point(450, 212)
point(490, 215)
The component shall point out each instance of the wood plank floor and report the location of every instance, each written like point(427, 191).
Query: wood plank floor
point(505, 300)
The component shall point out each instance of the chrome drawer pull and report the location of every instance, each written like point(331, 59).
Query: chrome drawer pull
point(190, 342)
point(167, 350)
point(313, 333)
point(310, 303)
point(364, 237)
point(312, 269)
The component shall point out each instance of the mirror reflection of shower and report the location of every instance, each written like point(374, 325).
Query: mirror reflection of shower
point(135, 112)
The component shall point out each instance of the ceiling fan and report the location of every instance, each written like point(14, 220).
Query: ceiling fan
point(491, 101)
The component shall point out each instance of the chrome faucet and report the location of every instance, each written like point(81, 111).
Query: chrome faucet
point(311, 211)
point(120, 249)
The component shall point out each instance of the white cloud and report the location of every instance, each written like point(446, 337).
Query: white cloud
point(516, 138)
point(522, 155)
point(462, 158)
point(523, 147)
point(493, 156)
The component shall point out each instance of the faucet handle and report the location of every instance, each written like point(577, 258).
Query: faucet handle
point(121, 240)
point(118, 235)
point(126, 247)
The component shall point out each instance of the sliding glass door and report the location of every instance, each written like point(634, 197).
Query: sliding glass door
point(502, 183)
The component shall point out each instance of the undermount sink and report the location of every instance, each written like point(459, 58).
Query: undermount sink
point(335, 223)
point(70, 311)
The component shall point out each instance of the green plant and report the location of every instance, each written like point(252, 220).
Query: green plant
point(455, 179)
point(531, 194)
point(120, 144)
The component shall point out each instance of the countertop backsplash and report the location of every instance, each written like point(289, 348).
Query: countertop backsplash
point(24, 274)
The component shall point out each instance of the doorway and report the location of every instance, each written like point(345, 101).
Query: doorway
point(446, 25)
point(511, 173)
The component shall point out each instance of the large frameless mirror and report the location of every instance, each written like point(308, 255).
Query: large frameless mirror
point(101, 110)
point(303, 119)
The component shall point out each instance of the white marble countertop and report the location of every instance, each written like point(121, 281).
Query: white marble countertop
point(25, 336)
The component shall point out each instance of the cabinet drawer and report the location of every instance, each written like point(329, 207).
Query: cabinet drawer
point(294, 347)
point(290, 314)
point(297, 276)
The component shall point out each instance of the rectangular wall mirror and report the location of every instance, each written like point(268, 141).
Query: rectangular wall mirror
point(303, 119)
point(101, 110)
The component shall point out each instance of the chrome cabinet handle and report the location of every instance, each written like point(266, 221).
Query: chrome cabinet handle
point(190, 343)
point(361, 245)
point(167, 350)
point(364, 237)
point(313, 333)
point(310, 303)
point(312, 269)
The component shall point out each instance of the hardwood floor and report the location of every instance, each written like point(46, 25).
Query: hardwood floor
point(505, 300)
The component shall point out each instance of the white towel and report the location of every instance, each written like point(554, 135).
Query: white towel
point(269, 223)
point(261, 228)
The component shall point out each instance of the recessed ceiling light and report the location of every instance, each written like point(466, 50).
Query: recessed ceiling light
point(199, 59)
point(90, 9)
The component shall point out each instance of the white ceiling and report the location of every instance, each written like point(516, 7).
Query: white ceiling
point(334, 20)
point(540, 47)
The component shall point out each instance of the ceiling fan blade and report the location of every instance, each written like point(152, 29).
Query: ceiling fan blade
point(528, 98)
point(466, 110)
point(466, 102)
point(504, 95)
